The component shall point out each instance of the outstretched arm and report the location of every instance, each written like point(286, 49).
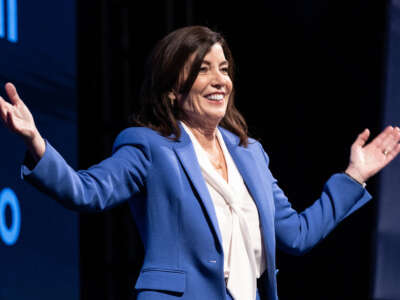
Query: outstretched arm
point(104, 185)
point(298, 232)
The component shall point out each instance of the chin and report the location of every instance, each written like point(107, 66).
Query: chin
point(217, 118)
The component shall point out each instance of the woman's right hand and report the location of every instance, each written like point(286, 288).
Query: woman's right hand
point(17, 117)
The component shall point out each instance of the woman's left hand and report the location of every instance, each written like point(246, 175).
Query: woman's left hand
point(368, 159)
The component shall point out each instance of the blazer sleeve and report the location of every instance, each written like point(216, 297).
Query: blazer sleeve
point(297, 233)
point(104, 185)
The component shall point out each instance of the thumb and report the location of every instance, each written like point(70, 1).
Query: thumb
point(362, 138)
point(12, 93)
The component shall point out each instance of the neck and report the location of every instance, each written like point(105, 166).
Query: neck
point(206, 134)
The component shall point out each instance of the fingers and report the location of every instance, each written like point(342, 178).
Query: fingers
point(12, 93)
point(392, 154)
point(391, 141)
point(362, 138)
point(380, 139)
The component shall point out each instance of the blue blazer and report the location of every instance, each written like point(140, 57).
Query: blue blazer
point(174, 213)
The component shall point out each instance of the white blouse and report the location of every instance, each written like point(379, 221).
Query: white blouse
point(237, 214)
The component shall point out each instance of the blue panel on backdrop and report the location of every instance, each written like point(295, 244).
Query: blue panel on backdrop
point(11, 15)
point(12, 21)
point(9, 233)
point(2, 20)
point(387, 260)
point(39, 248)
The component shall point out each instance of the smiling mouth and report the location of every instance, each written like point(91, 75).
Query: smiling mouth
point(215, 97)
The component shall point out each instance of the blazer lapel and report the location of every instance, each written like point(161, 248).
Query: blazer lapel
point(187, 156)
point(248, 168)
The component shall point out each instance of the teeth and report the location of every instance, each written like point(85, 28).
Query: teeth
point(215, 97)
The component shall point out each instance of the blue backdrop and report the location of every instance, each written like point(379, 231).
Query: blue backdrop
point(387, 258)
point(39, 249)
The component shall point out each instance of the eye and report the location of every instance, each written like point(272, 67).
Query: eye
point(225, 70)
point(203, 69)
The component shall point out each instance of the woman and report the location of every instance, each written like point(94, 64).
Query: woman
point(201, 193)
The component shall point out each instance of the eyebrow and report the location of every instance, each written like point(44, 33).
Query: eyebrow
point(225, 62)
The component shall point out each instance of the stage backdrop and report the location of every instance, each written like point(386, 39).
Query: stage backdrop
point(387, 258)
point(39, 248)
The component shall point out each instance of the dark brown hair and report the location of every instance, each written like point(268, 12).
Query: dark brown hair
point(163, 73)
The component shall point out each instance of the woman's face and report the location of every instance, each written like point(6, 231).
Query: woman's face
point(208, 98)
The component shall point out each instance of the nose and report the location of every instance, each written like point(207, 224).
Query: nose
point(219, 79)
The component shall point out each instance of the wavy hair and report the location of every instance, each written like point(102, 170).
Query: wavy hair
point(164, 69)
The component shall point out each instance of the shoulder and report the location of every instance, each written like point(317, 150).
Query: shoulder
point(139, 136)
point(253, 146)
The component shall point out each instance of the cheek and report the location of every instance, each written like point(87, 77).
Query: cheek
point(229, 85)
point(190, 104)
point(195, 99)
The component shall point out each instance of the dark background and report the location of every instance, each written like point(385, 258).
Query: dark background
point(310, 78)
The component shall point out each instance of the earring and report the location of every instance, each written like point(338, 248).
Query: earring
point(172, 98)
